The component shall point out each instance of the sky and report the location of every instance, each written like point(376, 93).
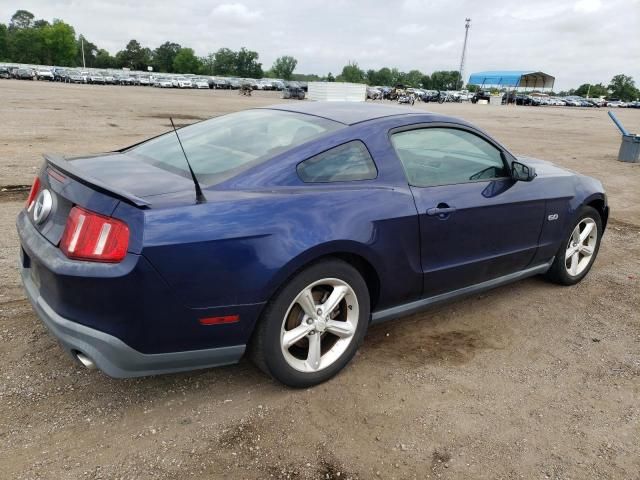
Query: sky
point(577, 41)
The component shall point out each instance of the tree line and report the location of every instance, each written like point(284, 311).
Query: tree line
point(31, 41)
point(439, 80)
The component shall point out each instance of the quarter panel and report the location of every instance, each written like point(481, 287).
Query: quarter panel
point(239, 247)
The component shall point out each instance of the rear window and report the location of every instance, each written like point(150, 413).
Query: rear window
point(222, 147)
point(344, 163)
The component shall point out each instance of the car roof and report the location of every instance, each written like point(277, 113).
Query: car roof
point(348, 113)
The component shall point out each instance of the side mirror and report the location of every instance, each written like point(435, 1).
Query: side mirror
point(521, 172)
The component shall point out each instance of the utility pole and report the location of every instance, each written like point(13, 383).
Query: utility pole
point(467, 25)
point(82, 46)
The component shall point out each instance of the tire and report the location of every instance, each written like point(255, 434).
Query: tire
point(294, 365)
point(564, 263)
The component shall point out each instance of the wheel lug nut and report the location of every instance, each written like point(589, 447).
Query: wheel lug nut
point(319, 311)
point(309, 321)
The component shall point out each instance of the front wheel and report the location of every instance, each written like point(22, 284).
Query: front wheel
point(314, 325)
point(579, 250)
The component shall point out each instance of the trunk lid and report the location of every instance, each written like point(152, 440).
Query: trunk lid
point(124, 175)
point(99, 183)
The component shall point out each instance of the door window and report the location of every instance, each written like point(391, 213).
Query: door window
point(444, 156)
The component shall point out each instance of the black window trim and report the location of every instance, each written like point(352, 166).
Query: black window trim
point(340, 181)
point(507, 158)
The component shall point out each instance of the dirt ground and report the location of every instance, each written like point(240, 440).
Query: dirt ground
point(527, 381)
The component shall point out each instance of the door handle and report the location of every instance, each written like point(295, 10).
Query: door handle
point(442, 211)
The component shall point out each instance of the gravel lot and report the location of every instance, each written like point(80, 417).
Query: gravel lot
point(527, 381)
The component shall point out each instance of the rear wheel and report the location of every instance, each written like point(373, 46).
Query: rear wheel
point(579, 250)
point(314, 325)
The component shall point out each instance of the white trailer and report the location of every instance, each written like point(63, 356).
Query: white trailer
point(337, 91)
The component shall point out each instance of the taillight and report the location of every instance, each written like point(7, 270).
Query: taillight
point(94, 237)
point(35, 188)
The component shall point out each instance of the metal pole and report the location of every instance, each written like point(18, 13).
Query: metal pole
point(467, 24)
point(82, 42)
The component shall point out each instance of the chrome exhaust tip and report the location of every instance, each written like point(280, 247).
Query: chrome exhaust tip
point(86, 361)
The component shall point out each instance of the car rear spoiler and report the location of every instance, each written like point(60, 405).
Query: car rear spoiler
point(65, 166)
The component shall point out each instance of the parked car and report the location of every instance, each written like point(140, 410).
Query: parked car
point(614, 102)
point(557, 102)
point(164, 82)
point(60, 74)
point(109, 78)
point(140, 268)
point(127, 80)
point(4, 72)
point(480, 95)
point(373, 93)
point(75, 76)
point(96, 78)
point(428, 96)
point(25, 74)
point(199, 82)
point(234, 83)
point(185, 83)
point(144, 80)
point(44, 74)
point(294, 92)
point(221, 83)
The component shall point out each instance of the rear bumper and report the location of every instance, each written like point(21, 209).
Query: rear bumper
point(112, 355)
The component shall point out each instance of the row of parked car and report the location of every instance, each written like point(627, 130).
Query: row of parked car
point(160, 80)
point(417, 94)
point(542, 99)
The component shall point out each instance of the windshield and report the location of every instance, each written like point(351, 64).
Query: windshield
point(224, 146)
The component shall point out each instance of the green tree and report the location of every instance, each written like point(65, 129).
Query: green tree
point(284, 66)
point(590, 90)
point(352, 73)
point(425, 81)
point(27, 45)
point(397, 77)
point(330, 77)
point(224, 62)
point(60, 42)
point(371, 77)
point(21, 19)
point(134, 56)
point(623, 87)
point(164, 55)
point(384, 77)
point(445, 80)
point(104, 59)
point(4, 42)
point(208, 63)
point(247, 65)
point(414, 78)
point(186, 62)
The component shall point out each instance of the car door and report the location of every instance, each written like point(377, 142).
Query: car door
point(476, 223)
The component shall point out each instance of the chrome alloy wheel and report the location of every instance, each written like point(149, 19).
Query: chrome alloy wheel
point(319, 325)
point(581, 246)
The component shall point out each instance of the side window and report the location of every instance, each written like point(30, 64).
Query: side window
point(443, 156)
point(347, 162)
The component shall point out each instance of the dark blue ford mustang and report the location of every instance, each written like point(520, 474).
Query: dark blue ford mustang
point(293, 229)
